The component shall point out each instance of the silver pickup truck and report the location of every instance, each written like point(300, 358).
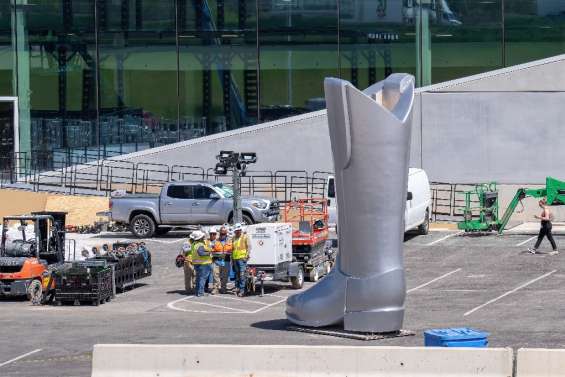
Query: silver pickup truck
point(186, 203)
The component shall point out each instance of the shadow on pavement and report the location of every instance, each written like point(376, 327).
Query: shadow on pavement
point(274, 324)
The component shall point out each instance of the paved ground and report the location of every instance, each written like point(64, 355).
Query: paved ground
point(488, 282)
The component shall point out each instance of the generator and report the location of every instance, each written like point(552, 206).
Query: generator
point(271, 256)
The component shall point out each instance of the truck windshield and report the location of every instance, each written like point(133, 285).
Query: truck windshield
point(226, 191)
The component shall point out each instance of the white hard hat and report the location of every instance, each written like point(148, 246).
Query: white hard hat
point(238, 226)
point(213, 230)
point(197, 235)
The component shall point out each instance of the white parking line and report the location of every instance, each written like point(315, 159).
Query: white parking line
point(20, 357)
point(277, 296)
point(433, 280)
point(267, 306)
point(166, 242)
point(171, 305)
point(243, 300)
point(218, 306)
point(526, 241)
point(443, 238)
point(509, 292)
point(264, 306)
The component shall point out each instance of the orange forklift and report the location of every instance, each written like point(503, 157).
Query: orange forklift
point(30, 255)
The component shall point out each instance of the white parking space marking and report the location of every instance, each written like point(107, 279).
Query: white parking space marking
point(526, 241)
point(243, 300)
point(166, 242)
point(225, 309)
point(443, 238)
point(272, 295)
point(216, 306)
point(20, 357)
point(433, 280)
point(171, 305)
point(268, 306)
point(509, 293)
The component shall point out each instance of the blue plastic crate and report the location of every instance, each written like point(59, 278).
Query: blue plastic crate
point(455, 337)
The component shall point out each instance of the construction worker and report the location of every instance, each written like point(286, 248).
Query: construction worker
point(201, 259)
point(240, 256)
point(189, 276)
point(217, 260)
point(224, 247)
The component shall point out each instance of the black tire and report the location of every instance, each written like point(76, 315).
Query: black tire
point(424, 228)
point(142, 226)
point(298, 280)
point(247, 220)
point(161, 231)
point(314, 275)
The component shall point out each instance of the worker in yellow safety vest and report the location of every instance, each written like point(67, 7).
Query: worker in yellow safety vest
point(189, 275)
point(201, 259)
point(241, 249)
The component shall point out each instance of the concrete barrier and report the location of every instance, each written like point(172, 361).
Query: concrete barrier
point(297, 361)
point(537, 362)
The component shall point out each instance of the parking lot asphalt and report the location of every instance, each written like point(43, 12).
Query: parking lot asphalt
point(454, 280)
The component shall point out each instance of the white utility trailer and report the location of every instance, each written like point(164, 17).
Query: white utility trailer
point(271, 256)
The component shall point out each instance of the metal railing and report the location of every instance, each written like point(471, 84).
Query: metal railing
point(69, 175)
point(72, 175)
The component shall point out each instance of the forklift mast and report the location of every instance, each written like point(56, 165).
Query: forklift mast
point(49, 233)
point(52, 248)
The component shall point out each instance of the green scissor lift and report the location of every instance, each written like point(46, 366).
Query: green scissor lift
point(484, 217)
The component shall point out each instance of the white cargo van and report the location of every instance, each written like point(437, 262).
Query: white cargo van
point(418, 203)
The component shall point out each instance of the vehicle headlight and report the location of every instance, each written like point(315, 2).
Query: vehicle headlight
point(260, 205)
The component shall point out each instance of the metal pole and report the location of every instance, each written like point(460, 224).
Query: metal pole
point(237, 215)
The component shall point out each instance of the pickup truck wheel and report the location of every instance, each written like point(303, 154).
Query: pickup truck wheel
point(424, 228)
point(247, 220)
point(142, 226)
point(298, 280)
point(314, 275)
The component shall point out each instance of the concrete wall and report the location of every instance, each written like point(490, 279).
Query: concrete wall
point(504, 125)
point(297, 361)
point(296, 143)
point(537, 362)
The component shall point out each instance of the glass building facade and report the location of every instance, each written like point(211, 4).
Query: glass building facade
point(96, 78)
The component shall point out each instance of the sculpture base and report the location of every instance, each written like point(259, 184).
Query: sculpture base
point(341, 333)
point(377, 321)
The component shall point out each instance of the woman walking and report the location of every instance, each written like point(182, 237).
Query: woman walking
point(546, 218)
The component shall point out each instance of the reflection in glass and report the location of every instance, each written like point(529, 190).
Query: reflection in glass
point(377, 38)
point(138, 75)
point(142, 73)
point(298, 48)
point(465, 38)
point(533, 30)
point(217, 66)
point(56, 68)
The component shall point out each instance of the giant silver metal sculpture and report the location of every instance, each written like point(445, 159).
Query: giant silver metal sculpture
point(370, 139)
